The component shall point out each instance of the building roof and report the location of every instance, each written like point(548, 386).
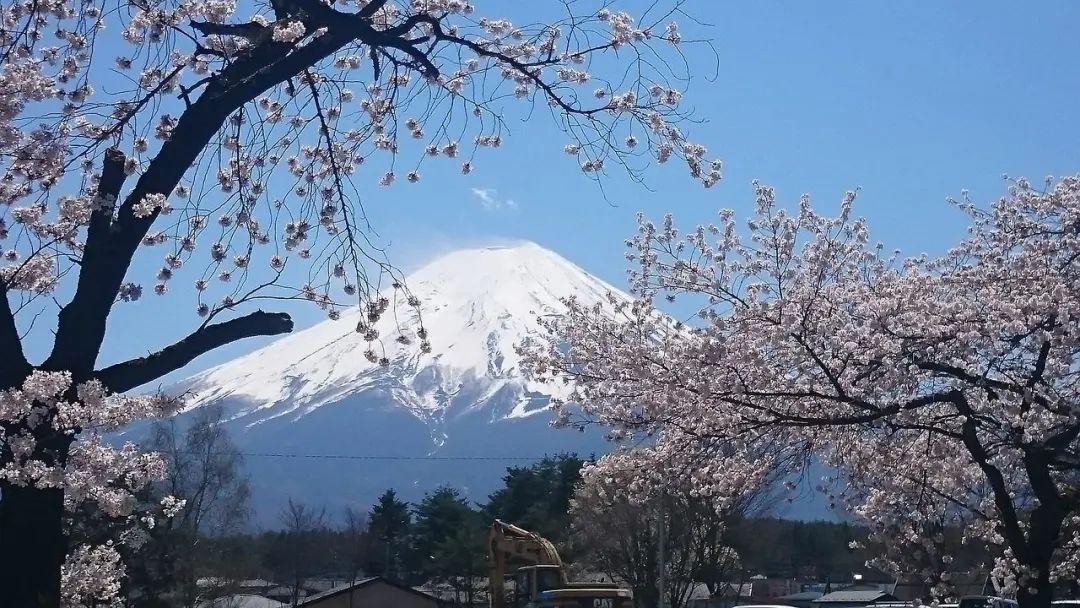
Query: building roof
point(699, 591)
point(448, 589)
point(283, 591)
point(311, 599)
point(734, 590)
point(211, 581)
point(855, 596)
point(804, 596)
point(325, 584)
point(241, 600)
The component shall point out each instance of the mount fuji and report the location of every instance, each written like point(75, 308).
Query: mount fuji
point(325, 426)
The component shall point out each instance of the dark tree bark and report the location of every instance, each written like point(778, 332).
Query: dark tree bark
point(29, 537)
point(32, 546)
point(14, 366)
point(1043, 534)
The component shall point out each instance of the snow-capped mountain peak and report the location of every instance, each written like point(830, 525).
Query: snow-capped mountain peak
point(476, 305)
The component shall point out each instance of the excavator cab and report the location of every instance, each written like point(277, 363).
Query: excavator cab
point(530, 581)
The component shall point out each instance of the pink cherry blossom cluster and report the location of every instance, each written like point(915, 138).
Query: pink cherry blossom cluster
point(93, 573)
point(94, 472)
point(813, 343)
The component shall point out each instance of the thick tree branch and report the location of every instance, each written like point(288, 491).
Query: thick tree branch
point(250, 30)
point(14, 366)
point(371, 8)
point(1037, 465)
point(833, 380)
point(136, 372)
point(108, 190)
point(1040, 364)
point(1003, 500)
point(1060, 442)
point(956, 372)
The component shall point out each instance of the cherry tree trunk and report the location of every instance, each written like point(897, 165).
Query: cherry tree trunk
point(32, 546)
point(1044, 531)
point(1042, 596)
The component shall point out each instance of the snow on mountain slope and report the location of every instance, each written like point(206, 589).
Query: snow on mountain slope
point(476, 304)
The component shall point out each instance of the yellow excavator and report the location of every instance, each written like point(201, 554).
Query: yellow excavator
point(542, 583)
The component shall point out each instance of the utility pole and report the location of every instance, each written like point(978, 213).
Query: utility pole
point(660, 533)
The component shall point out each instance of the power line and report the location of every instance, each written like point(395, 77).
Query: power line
point(387, 457)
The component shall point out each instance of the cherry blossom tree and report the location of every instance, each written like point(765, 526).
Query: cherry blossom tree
point(943, 389)
point(619, 532)
point(234, 144)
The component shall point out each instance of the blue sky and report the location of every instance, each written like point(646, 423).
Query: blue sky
point(910, 102)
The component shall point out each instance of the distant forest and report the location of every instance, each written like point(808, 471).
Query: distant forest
point(440, 540)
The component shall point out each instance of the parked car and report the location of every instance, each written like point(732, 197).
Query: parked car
point(986, 601)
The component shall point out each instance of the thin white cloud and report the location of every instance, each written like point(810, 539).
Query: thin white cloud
point(486, 196)
point(489, 199)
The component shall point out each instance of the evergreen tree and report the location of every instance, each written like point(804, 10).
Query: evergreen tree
point(537, 497)
point(459, 560)
point(389, 526)
point(443, 514)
